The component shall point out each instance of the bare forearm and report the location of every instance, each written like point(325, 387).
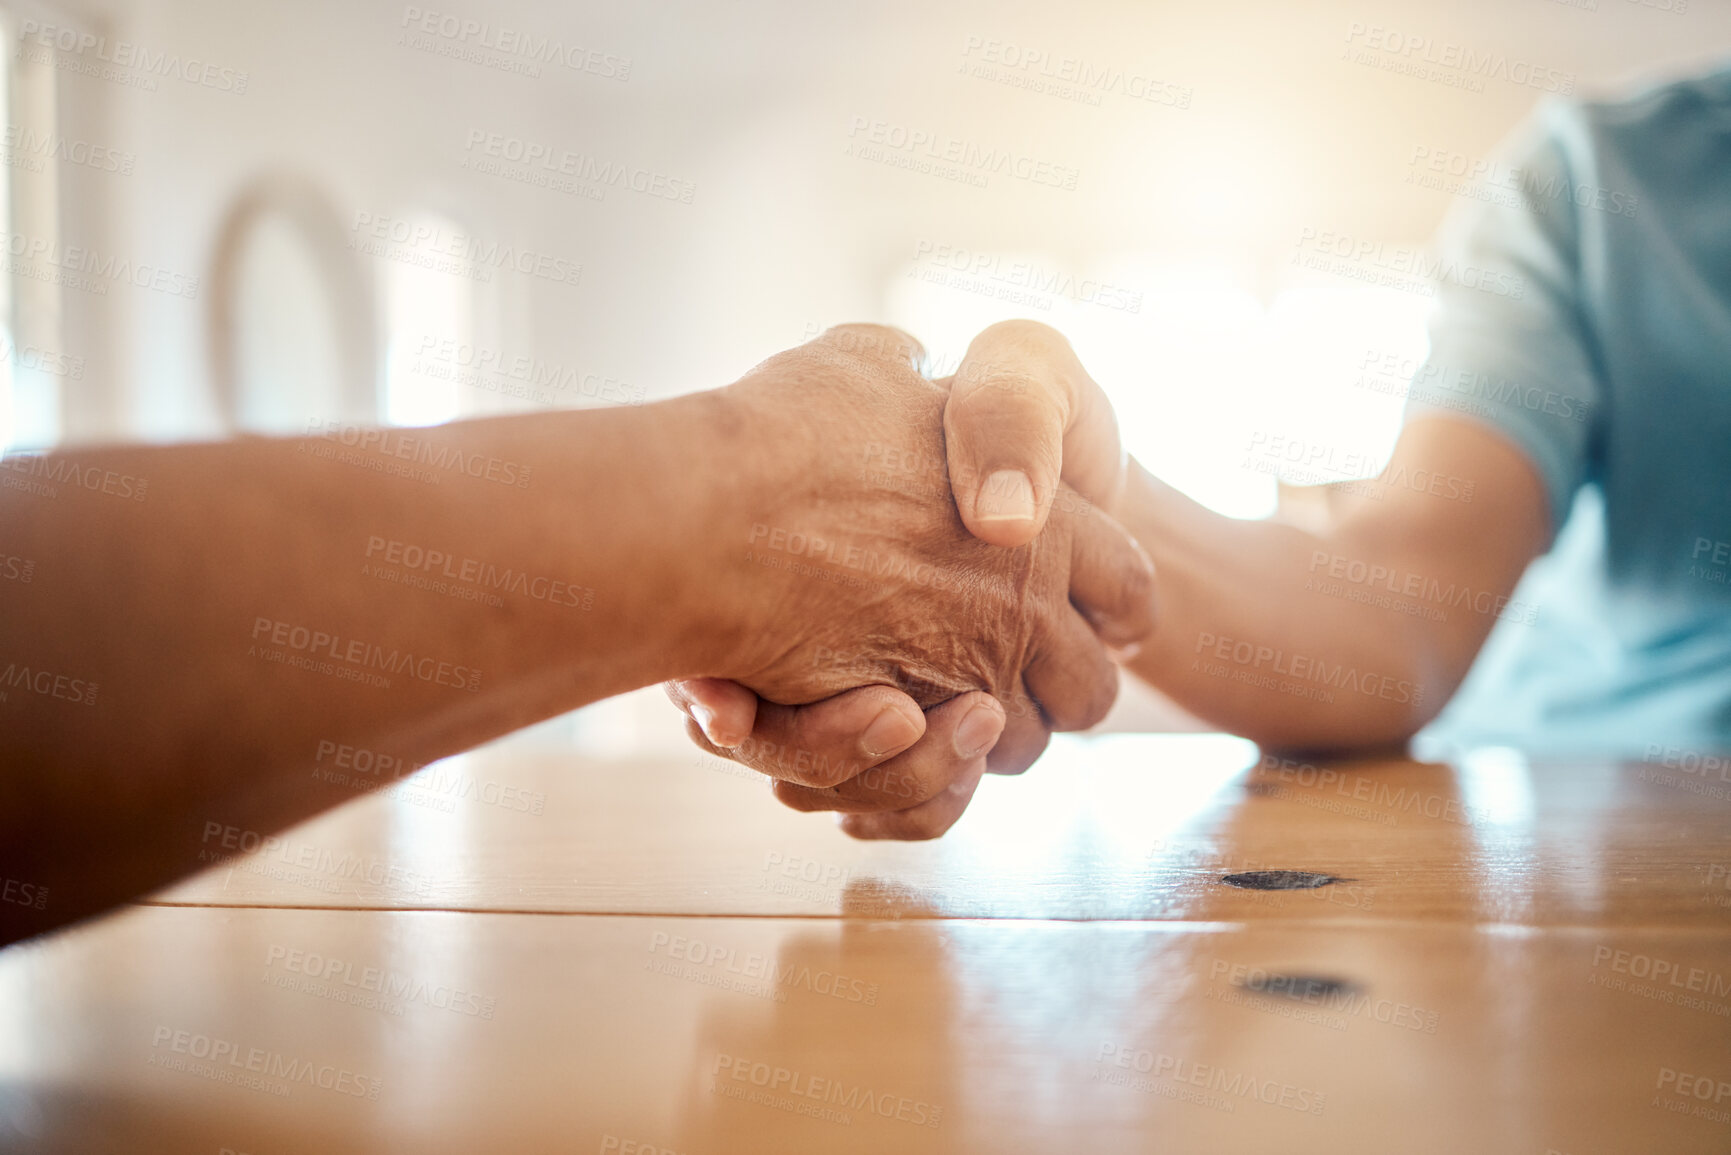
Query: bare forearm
point(1242, 644)
point(195, 657)
point(1354, 635)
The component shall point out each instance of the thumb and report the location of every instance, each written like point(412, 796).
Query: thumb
point(1023, 413)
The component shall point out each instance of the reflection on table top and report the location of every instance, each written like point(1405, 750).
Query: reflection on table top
point(529, 952)
point(1132, 827)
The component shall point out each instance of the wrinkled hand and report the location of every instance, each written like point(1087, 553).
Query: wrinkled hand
point(942, 615)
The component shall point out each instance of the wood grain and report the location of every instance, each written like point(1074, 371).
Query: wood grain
point(529, 952)
point(968, 1036)
point(1116, 827)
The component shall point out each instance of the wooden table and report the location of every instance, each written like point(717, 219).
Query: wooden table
point(526, 952)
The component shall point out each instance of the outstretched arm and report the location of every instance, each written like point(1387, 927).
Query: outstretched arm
point(1354, 633)
point(203, 623)
point(1350, 634)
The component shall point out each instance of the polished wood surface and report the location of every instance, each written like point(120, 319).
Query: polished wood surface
point(1116, 826)
point(1501, 957)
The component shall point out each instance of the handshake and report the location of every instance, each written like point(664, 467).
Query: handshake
point(931, 579)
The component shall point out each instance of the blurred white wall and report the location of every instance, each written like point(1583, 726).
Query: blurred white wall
point(1182, 181)
point(752, 103)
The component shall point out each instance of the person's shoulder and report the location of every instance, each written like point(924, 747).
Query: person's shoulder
point(1672, 137)
point(1694, 109)
point(1702, 102)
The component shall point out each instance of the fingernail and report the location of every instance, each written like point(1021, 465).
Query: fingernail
point(705, 718)
point(890, 732)
point(1008, 495)
point(979, 731)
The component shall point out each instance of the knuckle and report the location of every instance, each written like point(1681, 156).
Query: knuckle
point(797, 797)
point(924, 827)
point(861, 828)
point(1136, 586)
point(1088, 696)
point(1023, 328)
point(825, 777)
point(695, 732)
point(913, 789)
point(1097, 700)
point(873, 343)
point(811, 762)
point(1013, 756)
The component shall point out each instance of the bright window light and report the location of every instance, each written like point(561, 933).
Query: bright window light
point(1201, 373)
point(29, 401)
point(421, 304)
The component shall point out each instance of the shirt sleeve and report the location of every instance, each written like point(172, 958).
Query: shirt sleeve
point(1509, 342)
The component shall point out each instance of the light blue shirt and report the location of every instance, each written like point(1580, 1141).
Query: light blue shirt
point(1585, 313)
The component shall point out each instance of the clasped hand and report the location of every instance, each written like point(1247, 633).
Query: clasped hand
point(937, 575)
